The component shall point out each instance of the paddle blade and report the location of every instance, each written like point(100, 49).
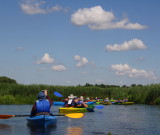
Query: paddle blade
point(6, 116)
point(99, 107)
point(57, 94)
point(74, 115)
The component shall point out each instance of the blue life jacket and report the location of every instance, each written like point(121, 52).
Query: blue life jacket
point(42, 106)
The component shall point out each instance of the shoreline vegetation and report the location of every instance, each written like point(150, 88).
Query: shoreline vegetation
point(13, 93)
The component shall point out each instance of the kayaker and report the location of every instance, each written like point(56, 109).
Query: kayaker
point(125, 100)
point(69, 101)
point(81, 98)
point(106, 99)
point(42, 105)
point(78, 104)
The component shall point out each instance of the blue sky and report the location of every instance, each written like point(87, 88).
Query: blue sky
point(60, 42)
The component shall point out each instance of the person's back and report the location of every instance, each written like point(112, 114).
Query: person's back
point(42, 105)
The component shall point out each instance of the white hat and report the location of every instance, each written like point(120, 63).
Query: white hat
point(71, 96)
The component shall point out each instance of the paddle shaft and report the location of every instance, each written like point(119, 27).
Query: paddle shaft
point(30, 115)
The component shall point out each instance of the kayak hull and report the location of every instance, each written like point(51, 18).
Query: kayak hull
point(126, 103)
point(123, 103)
point(58, 103)
point(42, 121)
point(107, 103)
point(72, 110)
point(64, 110)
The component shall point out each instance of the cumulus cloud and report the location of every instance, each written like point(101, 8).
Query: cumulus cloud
point(125, 69)
point(134, 44)
point(46, 59)
point(37, 7)
point(82, 61)
point(77, 57)
point(59, 68)
point(96, 18)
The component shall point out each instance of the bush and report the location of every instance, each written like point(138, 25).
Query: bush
point(7, 99)
point(5, 79)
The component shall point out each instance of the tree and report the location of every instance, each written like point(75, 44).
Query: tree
point(4, 79)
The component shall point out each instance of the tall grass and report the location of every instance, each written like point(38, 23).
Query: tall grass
point(27, 94)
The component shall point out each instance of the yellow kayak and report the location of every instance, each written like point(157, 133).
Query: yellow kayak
point(126, 103)
point(74, 110)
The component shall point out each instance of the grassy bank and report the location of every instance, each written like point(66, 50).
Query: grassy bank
point(27, 94)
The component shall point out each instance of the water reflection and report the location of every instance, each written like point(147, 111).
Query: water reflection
point(41, 131)
point(74, 131)
point(5, 129)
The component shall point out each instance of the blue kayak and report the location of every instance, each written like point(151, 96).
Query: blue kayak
point(90, 103)
point(42, 121)
point(55, 103)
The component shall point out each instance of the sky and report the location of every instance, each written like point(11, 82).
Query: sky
point(74, 42)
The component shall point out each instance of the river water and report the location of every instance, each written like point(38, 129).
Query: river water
point(114, 119)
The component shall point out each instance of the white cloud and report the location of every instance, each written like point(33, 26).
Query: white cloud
point(96, 18)
point(77, 57)
point(81, 61)
point(37, 7)
point(59, 68)
point(46, 59)
point(134, 44)
point(125, 69)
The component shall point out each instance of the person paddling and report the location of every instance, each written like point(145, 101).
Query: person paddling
point(69, 101)
point(43, 105)
point(79, 104)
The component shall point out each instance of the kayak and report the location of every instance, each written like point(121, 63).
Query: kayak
point(123, 103)
point(72, 110)
point(126, 103)
point(64, 110)
point(42, 121)
point(107, 103)
point(99, 102)
point(90, 103)
point(58, 103)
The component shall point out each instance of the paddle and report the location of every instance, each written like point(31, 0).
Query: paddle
point(70, 115)
point(99, 107)
point(57, 94)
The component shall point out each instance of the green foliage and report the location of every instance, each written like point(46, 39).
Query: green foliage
point(4, 79)
point(7, 99)
point(153, 94)
point(27, 94)
point(157, 101)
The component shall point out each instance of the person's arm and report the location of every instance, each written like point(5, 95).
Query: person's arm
point(50, 100)
point(47, 97)
point(33, 111)
point(84, 105)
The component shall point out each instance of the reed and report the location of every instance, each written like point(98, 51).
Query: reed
point(27, 94)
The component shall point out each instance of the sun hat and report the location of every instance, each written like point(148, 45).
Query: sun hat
point(71, 96)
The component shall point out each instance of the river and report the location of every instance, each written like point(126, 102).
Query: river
point(114, 119)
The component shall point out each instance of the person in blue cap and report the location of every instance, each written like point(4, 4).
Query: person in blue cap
point(42, 105)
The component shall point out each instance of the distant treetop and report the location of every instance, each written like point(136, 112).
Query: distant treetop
point(4, 79)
